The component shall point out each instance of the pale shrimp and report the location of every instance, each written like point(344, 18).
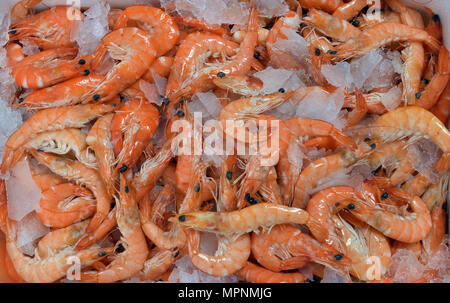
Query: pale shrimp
point(105, 227)
point(158, 263)
point(231, 255)
point(160, 27)
point(194, 197)
point(66, 93)
point(99, 139)
point(62, 142)
point(128, 263)
point(50, 67)
point(48, 120)
point(338, 29)
point(227, 193)
point(437, 234)
point(412, 121)
point(270, 191)
point(350, 9)
point(316, 170)
point(410, 228)
point(65, 204)
point(242, 85)
point(442, 108)
point(48, 29)
point(380, 35)
point(133, 49)
point(327, 5)
point(137, 120)
point(257, 274)
point(373, 101)
point(430, 95)
point(81, 174)
point(201, 24)
point(42, 176)
point(22, 8)
point(244, 220)
point(255, 176)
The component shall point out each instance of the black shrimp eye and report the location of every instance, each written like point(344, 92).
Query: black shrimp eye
point(436, 18)
point(351, 206)
point(175, 248)
point(384, 195)
point(220, 74)
point(176, 254)
point(252, 200)
point(247, 196)
point(96, 97)
point(373, 145)
point(317, 51)
point(13, 32)
point(123, 168)
point(82, 62)
point(367, 139)
point(282, 90)
point(127, 189)
point(256, 55)
point(229, 175)
point(373, 172)
point(86, 72)
point(338, 257)
point(418, 95)
point(181, 218)
point(197, 188)
point(181, 102)
point(21, 100)
point(355, 23)
point(102, 254)
point(425, 81)
point(165, 101)
point(332, 52)
point(180, 114)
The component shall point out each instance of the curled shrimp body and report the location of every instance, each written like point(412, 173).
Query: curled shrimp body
point(242, 85)
point(65, 204)
point(373, 102)
point(442, 108)
point(257, 274)
point(158, 264)
point(134, 50)
point(350, 9)
point(48, 120)
point(412, 120)
point(160, 67)
point(14, 54)
point(138, 120)
point(22, 8)
point(48, 29)
point(160, 27)
point(242, 221)
point(128, 263)
point(409, 228)
point(59, 66)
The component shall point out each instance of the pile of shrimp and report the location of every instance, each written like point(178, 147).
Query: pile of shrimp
point(129, 208)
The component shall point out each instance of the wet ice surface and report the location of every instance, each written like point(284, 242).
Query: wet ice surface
point(29, 47)
point(205, 103)
point(332, 276)
point(392, 98)
point(151, 92)
point(422, 155)
point(274, 79)
point(10, 121)
point(23, 193)
point(29, 229)
point(94, 27)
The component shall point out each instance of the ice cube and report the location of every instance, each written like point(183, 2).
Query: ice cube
point(23, 193)
point(29, 47)
point(29, 229)
point(7, 84)
point(10, 121)
point(207, 104)
point(151, 92)
point(422, 155)
point(362, 68)
point(405, 267)
point(338, 75)
point(385, 73)
point(160, 83)
point(319, 104)
point(392, 98)
point(274, 79)
point(271, 8)
point(332, 276)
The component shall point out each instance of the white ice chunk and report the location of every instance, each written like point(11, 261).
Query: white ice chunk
point(338, 75)
point(10, 121)
point(151, 92)
point(319, 104)
point(207, 104)
point(422, 155)
point(332, 276)
point(274, 79)
point(93, 28)
point(405, 267)
point(295, 44)
point(160, 83)
point(23, 193)
point(7, 84)
point(363, 67)
point(29, 47)
point(272, 8)
point(392, 98)
point(29, 229)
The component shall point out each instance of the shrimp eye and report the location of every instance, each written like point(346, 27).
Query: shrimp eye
point(351, 206)
point(332, 52)
point(444, 205)
point(355, 23)
point(252, 201)
point(257, 202)
point(86, 72)
point(220, 74)
point(96, 97)
point(317, 51)
point(165, 101)
point(256, 55)
point(176, 254)
point(180, 114)
point(338, 257)
point(418, 95)
point(82, 62)
point(119, 249)
point(373, 145)
point(181, 218)
point(102, 254)
point(21, 100)
point(425, 81)
point(282, 90)
point(175, 248)
point(247, 197)
point(123, 168)
point(229, 175)
point(13, 32)
point(39, 150)
point(373, 172)
point(367, 140)
point(181, 102)
point(384, 195)
point(197, 188)
point(127, 189)
point(436, 18)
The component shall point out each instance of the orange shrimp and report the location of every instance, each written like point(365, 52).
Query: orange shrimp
point(430, 95)
point(327, 5)
point(244, 220)
point(50, 67)
point(255, 176)
point(128, 263)
point(434, 27)
point(158, 263)
point(138, 119)
point(409, 228)
point(43, 177)
point(350, 9)
point(242, 85)
point(104, 228)
point(373, 102)
point(160, 27)
point(48, 120)
point(22, 8)
point(65, 204)
point(227, 194)
point(99, 139)
point(14, 54)
point(201, 24)
point(358, 113)
point(48, 29)
point(257, 274)
point(160, 67)
point(134, 50)
point(442, 108)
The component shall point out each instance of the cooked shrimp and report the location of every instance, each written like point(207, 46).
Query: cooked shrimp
point(434, 27)
point(48, 120)
point(22, 8)
point(105, 227)
point(128, 263)
point(159, 68)
point(14, 54)
point(160, 27)
point(42, 176)
point(242, 85)
point(442, 108)
point(65, 204)
point(201, 24)
point(227, 194)
point(48, 29)
point(255, 175)
point(373, 101)
point(242, 221)
point(158, 264)
point(350, 9)
point(257, 274)
point(327, 5)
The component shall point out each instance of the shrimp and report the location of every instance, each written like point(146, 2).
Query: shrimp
point(201, 24)
point(409, 228)
point(328, 5)
point(64, 205)
point(256, 274)
point(227, 194)
point(48, 29)
point(134, 50)
point(255, 175)
point(160, 27)
point(373, 101)
point(138, 119)
point(358, 113)
point(244, 220)
point(263, 33)
point(315, 171)
point(412, 120)
point(380, 35)
point(193, 199)
point(50, 67)
point(43, 177)
point(99, 139)
point(442, 108)
point(131, 261)
point(104, 228)
point(14, 54)
point(158, 264)
point(66, 93)
point(430, 95)
point(48, 120)
point(242, 85)
point(434, 27)
point(159, 68)
point(330, 26)
point(62, 142)
point(22, 8)
point(78, 172)
point(350, 9)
